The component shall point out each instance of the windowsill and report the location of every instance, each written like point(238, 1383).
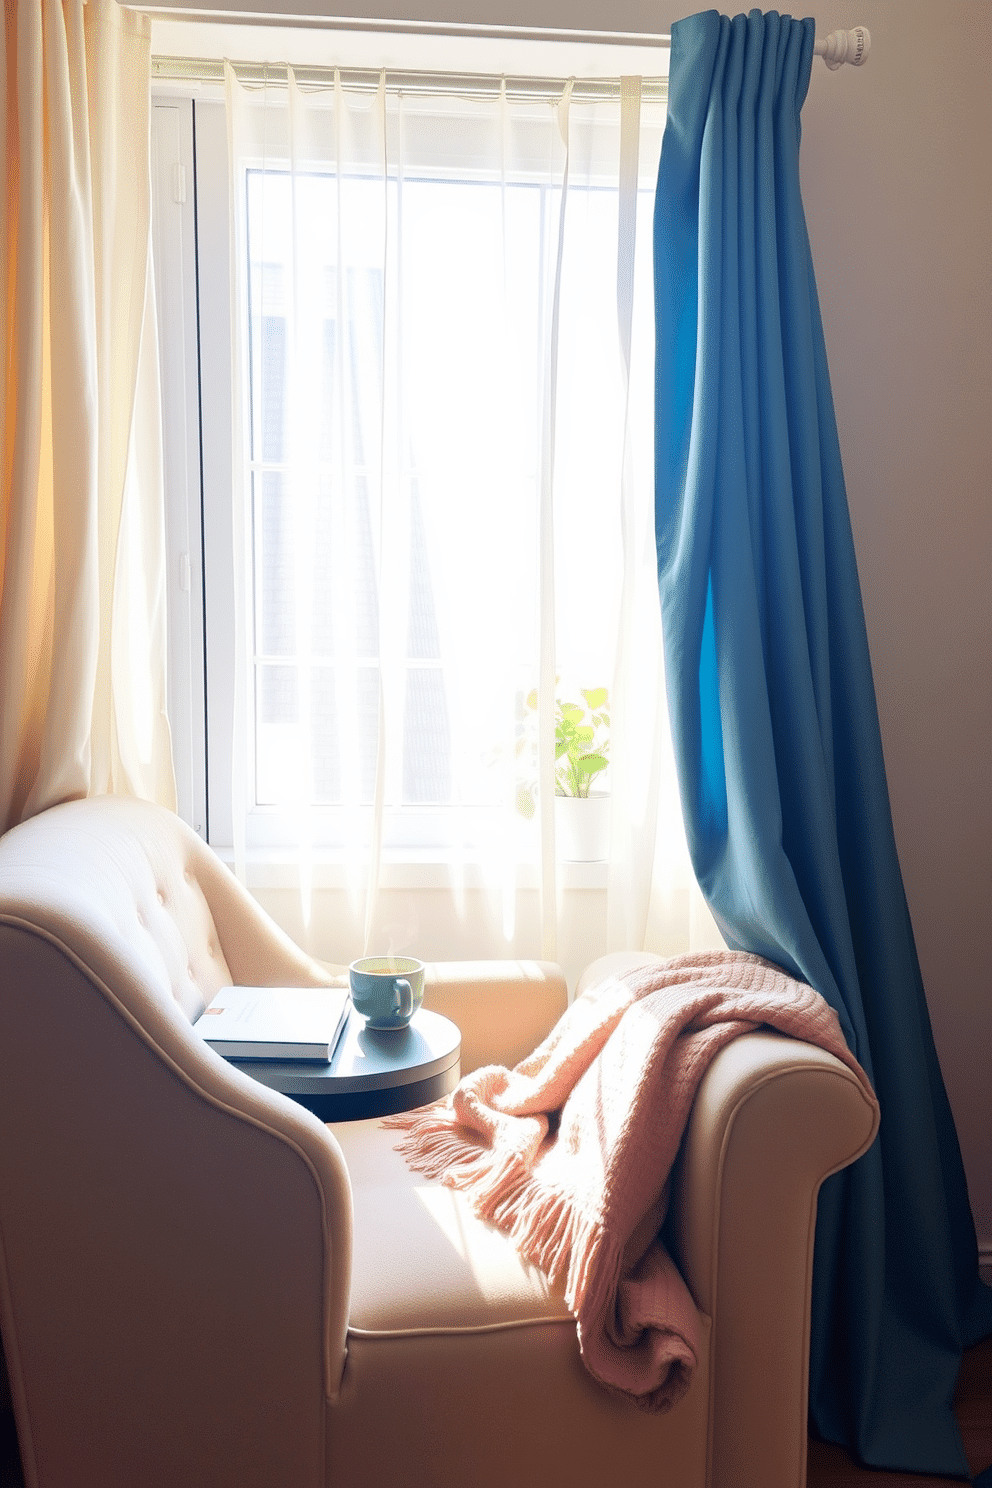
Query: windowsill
point(408, 869)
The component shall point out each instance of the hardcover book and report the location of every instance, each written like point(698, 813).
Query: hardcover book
point(275, 1022)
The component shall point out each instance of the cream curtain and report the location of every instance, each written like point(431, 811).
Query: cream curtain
point(82, 581)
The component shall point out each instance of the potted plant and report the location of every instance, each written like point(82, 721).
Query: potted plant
point(582, 746)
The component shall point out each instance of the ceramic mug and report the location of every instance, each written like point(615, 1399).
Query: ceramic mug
point(387, 990)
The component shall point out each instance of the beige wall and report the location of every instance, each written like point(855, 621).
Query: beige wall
point(896, 164)
point(898, 188)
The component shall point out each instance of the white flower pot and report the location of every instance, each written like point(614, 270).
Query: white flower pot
point(582, 827)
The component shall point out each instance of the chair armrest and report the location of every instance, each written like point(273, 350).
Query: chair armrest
point(175, 1239)
point(503, 1008)
point(772, 1118)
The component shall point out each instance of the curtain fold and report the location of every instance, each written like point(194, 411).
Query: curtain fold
point(775, 721)
point(82, 581)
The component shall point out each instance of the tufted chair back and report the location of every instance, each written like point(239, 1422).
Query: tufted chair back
point(136, 882)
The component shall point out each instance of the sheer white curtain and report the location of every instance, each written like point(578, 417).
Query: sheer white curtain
point(444, 503)
point(82, 582)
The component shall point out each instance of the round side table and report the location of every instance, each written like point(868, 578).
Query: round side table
point(374, 1072)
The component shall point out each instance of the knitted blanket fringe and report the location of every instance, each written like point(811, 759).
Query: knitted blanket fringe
point(546, 1226)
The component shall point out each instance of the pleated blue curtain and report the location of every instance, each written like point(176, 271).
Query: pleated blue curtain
point(775, 721)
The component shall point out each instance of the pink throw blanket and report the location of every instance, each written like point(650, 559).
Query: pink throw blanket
point(570, 1152)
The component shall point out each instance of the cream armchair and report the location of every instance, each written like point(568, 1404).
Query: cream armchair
point(201, 1285)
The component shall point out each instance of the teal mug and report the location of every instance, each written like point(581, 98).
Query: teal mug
point(387, 990)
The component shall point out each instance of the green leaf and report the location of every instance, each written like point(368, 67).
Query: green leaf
point(591, 764)
point(595, 696)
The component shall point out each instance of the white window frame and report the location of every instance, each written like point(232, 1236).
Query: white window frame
point(174, 252)
point(191, 244)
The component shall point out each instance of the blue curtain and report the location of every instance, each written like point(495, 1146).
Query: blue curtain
point(775, 722)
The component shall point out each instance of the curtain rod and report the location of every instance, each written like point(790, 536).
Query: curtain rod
point(464, 29)
point(844, 46)
point(839, 47)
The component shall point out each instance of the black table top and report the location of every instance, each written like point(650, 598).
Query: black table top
point(374, 1072)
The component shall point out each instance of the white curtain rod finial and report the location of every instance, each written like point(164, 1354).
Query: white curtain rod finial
point(844, 46)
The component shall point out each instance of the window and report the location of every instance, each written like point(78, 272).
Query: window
point(416, 451)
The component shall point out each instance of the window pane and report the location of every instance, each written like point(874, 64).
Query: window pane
point(426, 739)
point(275, 566)
point(277, 707)
point(400, 332)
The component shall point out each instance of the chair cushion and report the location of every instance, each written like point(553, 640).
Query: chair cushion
point(422, 1261)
